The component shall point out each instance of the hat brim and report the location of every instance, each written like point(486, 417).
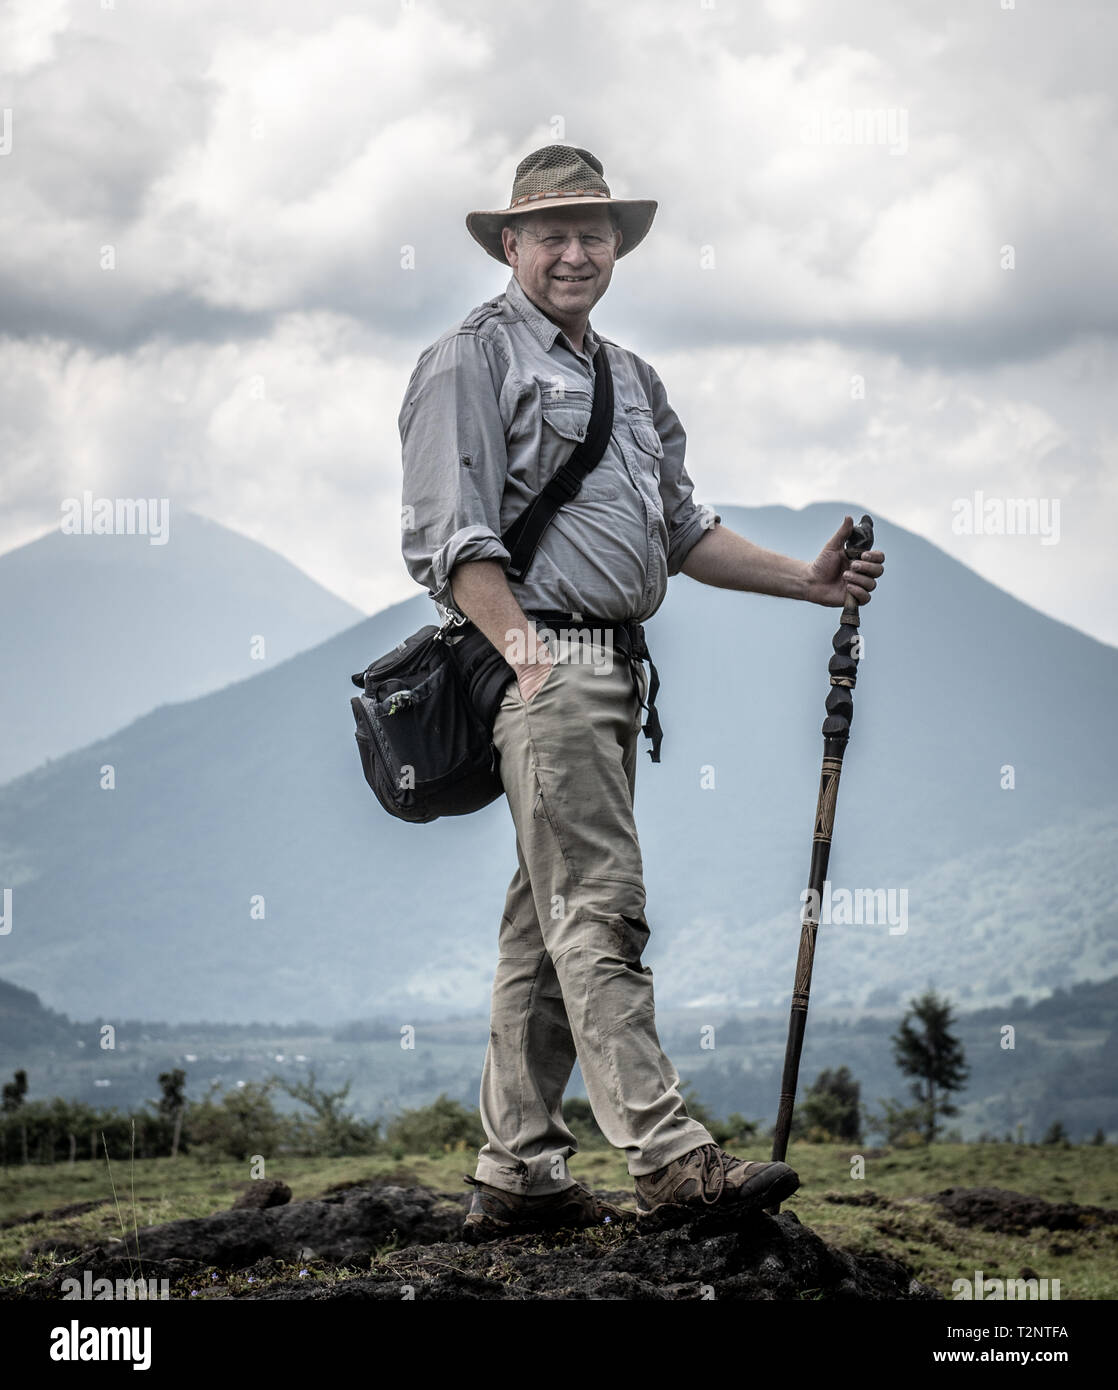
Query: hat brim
point(634, 215)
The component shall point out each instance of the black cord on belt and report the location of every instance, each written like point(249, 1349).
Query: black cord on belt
point(631, 641)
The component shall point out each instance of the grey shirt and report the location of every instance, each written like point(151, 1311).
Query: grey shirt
point(492, 410)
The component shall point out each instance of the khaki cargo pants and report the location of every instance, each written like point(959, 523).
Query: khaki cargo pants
point(569, 979)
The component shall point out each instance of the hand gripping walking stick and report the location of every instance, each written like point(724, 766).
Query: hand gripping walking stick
point(843, 667)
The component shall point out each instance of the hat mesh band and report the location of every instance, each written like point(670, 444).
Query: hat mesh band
point(555, 193)
point(555, 170)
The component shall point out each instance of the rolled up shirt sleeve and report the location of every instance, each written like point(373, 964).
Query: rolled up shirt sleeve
point(454, 461)
point(687, 519)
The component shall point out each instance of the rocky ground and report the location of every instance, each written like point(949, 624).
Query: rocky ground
point(380, 1241)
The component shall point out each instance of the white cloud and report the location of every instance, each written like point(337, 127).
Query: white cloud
point(780, 426)
point(259, 170)
point(290, 439)
point(28, 29)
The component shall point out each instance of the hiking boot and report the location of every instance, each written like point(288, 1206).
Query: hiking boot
point(494, 1212)
point(708, 1178)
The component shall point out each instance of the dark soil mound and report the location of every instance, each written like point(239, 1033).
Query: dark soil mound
point(1014, 1213)
point(716, 1256)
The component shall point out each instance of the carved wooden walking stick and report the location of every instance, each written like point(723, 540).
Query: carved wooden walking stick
point(836, 731)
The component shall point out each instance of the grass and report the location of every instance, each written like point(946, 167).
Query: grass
point(902, 1224)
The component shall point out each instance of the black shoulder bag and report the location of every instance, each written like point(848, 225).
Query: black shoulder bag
point(425, 717)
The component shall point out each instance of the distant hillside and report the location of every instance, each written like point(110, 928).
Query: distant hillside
point(1062, 1065)
point(963, 928)
point(25, 1023)
point(137, 901)
point(101, 629)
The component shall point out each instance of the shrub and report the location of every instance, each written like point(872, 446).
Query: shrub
point(241, 1123)
point(442, 1126)
point(579, 1119)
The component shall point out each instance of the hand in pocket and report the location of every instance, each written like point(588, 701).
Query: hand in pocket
point(531, 678)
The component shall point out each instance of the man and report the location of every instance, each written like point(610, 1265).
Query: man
point(492, 410)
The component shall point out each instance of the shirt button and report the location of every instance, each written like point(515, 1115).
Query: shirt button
point(581, 431)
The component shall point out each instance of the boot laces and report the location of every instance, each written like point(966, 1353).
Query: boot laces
point(715, 1166)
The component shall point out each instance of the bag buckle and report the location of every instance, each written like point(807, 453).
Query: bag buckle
point(450, 620)
point(563, 489)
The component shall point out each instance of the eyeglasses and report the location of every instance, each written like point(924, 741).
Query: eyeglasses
point(592, 242)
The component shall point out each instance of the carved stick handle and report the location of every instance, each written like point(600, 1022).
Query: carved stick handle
point(854, 547)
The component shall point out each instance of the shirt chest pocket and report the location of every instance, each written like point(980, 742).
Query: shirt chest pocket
point(648, 450)
point(566, 420)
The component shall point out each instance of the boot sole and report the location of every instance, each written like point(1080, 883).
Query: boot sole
point(478, 1229)
point(751, 1201)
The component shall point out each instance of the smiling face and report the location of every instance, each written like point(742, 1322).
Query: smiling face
point(563, 260)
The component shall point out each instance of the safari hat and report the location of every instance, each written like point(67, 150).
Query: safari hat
point(561, 176)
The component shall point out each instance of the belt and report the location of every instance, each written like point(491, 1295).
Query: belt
point(628, 637)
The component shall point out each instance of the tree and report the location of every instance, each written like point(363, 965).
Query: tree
point(334, 1132)
point(931, 1054)
point(171, 1099)
point(166, 1128)
point(1057, 1134)
point(832, 1108)
point(14, 1091)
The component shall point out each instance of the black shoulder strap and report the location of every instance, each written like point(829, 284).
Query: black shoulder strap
point(526, 532)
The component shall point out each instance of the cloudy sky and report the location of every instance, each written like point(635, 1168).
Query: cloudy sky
point(882, 267)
